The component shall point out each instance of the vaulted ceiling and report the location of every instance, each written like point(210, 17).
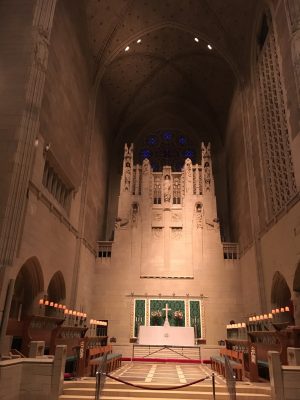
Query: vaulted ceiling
point(166, 77)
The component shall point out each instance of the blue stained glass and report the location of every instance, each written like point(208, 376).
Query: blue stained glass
point(146, 153)
point(152, 140)
point(167, 136)
point(182, 140)
point(189, 153)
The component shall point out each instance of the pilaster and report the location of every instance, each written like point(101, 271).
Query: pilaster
point(28, 130)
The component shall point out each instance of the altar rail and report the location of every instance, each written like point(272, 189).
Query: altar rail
point(150, 352)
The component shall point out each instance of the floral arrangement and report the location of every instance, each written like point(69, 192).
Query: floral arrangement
point(156, 317)
point(178, 314)
point(156, 314)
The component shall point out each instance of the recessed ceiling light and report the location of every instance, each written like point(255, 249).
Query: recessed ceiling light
point(127, 48)
point(209, 46)
point(139, 40)
point(196, 39)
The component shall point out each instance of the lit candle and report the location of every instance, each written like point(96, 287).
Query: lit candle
point(41, 301)
point(60, 306)
point(46, 302)
point(273, 311)
point(55, 305)
point(277, 311)
point(66, 311)
point(287, 308)
point(270, 315)
point(282, 309)
point(265, 316)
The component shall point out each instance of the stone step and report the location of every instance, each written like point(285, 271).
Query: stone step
point(110, 384)
point(201, 396)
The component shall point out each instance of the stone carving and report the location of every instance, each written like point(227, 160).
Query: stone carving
point(156, 233)
point(157, 217)
point(278, 170)
point(127, 176)
point(134, 213)
point(146, 166)
point(199, 215)
point(294, 14)
point(188, 176)
point(176, 217)
point(205, 150)
point(207, 176)
point(167, 189)
point(121, 222)
point(127, 166)
point(176, 233)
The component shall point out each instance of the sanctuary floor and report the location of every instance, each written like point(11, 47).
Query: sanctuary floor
point(163, 376)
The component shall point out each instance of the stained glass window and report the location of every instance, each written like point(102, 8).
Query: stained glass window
point(166, 147)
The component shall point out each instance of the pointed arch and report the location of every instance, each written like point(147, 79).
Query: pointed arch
point(29, 283)
point(57, 288)
point(280, 293)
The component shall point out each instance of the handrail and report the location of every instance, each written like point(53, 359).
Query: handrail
point(100, 376)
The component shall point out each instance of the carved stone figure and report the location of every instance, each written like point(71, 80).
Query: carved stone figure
point(199, 215)
point(146, 166)
point(167, 189)
point(207, 176)
point(127, 176)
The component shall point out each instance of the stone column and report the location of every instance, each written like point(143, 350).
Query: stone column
point(27, 131)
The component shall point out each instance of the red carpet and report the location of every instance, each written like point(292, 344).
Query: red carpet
point(157, 360)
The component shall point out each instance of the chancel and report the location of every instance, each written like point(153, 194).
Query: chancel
point(149, 188)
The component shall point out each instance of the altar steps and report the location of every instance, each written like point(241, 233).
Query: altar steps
point(85, 390)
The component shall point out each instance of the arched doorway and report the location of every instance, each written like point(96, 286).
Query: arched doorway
point(29, 283)
point(56, 291)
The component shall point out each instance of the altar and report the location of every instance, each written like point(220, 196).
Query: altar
point(166, 335)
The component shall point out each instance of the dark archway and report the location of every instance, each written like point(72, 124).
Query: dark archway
point(29, 283)
point(57, 289)
point(280, 294)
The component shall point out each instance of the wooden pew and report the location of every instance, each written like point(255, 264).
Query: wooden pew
point(34, 327)
point(71, 337)
point(236, 359)
point(95, 355)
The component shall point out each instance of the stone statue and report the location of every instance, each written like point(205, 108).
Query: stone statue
point(167, 189)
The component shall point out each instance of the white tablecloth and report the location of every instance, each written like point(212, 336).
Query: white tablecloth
point(166, 335)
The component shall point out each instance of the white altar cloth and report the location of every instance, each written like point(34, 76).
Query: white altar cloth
point(166, 336)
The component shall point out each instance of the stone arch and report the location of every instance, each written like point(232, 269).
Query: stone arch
point(280, 293)
point(57, 288)
point(29, 283)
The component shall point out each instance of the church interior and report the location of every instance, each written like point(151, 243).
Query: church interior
point(149, 187)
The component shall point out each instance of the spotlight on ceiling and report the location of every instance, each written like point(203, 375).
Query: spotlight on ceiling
point(139, 41)
point(127, 48)
point(196, 39)
point(209, 46)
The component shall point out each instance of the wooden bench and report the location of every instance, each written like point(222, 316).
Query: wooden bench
point(236, 359)
point(95, 355)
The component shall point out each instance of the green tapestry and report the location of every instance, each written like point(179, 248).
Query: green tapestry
point(176, 315)
point(140, 315)
point(195, 318)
